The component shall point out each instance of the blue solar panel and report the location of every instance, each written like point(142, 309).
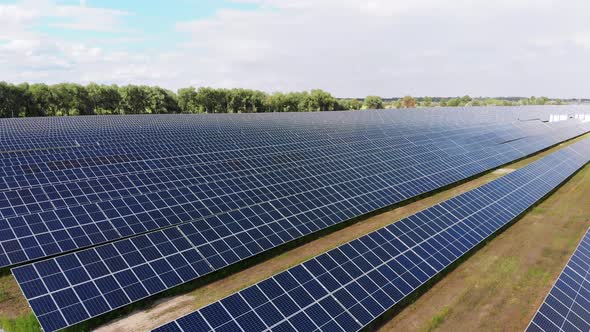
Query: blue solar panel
point(52, 210)
point(232, 187)
point(348, 287)
point(567, 306)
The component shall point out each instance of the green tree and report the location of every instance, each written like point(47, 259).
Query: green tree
point(320, 100)
point(161, 101)
point(373, 102)
point(542, 100)
point(532, 100)
point(351, 104)
point(105, 99)
point(71, 99)
point(427, 101)
point(188, 100)
point(213, 100)
point(43, 99)
point(408, 102)
point(454, 102)
point(134, 99)
point(281, 102)
point(12, 100)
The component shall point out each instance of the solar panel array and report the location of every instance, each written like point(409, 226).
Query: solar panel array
point(184, 195)
point(567, 306)
point(348, 287)
point(53, 202)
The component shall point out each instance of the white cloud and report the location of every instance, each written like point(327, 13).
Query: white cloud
point(351, 48)
point(390, 48)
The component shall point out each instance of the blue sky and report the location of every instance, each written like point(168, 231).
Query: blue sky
point(151, 23)
point(351, 48)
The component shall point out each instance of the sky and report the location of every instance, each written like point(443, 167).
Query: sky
point(347, 47)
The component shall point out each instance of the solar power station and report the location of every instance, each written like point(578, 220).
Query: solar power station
point(567, 306)
point(100, 212)
point(348, 287)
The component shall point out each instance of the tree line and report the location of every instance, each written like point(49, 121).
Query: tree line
point(26, 100)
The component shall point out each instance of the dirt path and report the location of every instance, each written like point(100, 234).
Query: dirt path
point(175, 307)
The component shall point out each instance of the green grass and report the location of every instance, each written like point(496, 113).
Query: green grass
point(24, 323)
point(3, 293)
point(437, 320)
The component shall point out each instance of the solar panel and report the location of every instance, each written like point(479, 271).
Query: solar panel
point(348, 287)
point(567, 306)
point(49, 209)
point(224, 187)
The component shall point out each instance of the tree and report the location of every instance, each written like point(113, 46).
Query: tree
point(257, 101)
point(373, 102)
point(320, 100)
point(80, 102)
point(533, 100)
point(105, 99)
point(10, 100)
point(134, 99)
point(408, 102)
point(213, 100)
point(26, 106)
point(542, 100)
point(188, 100)
point(43, 100)
point(238, 100)
point(275, 102)
point(71, 99)
point(454, 102)
point(290, 102)
point(351, 104)
point(161, 101)
point(427, 101)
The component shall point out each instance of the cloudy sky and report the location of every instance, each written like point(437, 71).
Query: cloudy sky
point(348, 47)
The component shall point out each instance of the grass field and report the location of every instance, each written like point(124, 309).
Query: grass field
point(503, 283)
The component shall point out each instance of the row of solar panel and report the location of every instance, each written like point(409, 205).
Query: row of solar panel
point(90, 130)
point(168, 147)
point(179, 150)
point(168, 122)
point(282, 201)
point(207, 129)
point(261, 140)
point(51, 226)
point(348, 287)
point(128, 270)
point(135, 161)
point(567, 306)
